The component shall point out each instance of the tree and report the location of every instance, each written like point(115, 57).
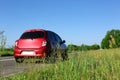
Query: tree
point(3, 40)
point(112, 42)
point(72, 48)
point(84, 47)
point(95, 47)
point(111, 39)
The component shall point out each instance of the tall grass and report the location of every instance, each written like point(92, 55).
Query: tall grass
point(91, 65)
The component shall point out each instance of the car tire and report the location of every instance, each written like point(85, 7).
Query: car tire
point(19, 60)
point(65, 56)
point(51, 58)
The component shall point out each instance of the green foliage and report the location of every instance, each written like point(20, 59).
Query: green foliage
point(72, 48)
point(83, 47)
point(111, 40)
point(3, 50)
point(95, 47)
point(7, 52)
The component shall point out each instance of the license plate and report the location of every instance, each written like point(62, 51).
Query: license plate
point(28, 53)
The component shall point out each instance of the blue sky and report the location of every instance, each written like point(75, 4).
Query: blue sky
point(76, 21)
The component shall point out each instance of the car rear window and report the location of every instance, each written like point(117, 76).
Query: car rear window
point(32, 35)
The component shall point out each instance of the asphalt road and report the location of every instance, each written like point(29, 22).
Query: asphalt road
point(9, 67)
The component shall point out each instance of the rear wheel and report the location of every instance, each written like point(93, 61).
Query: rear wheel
point(19, 60)
point(65, 55)
point(51, 58)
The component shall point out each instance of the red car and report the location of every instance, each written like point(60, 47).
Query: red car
point(39, 43)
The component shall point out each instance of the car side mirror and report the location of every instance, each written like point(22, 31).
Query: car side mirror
point(62, 42)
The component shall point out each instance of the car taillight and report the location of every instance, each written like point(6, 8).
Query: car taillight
point(44, 43)
point(16, 43)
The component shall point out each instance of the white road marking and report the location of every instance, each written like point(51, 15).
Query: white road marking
point(7, 60)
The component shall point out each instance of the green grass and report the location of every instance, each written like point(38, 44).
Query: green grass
point(6, 53)
point(91, 65)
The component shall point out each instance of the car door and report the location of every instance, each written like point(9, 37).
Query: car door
point(59, 43)
point(51, 39)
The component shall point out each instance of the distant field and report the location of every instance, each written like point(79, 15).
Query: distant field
point(89, 65)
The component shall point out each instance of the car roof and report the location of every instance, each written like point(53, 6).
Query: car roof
point(43, 30)
point(33, 30)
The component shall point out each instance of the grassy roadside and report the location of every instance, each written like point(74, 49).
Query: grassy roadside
point(6, 53)
point(91, 65)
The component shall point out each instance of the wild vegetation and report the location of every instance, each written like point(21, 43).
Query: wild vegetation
point(83, 47)
point(7, 52)
point(111, 39)
point(3, 50)
point(89, 65)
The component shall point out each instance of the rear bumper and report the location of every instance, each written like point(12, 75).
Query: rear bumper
point(41, 52)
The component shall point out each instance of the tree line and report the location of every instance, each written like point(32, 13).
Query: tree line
point(111, 40)
point(83, 47)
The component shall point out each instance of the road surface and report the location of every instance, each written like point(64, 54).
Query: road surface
point(9, 67)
